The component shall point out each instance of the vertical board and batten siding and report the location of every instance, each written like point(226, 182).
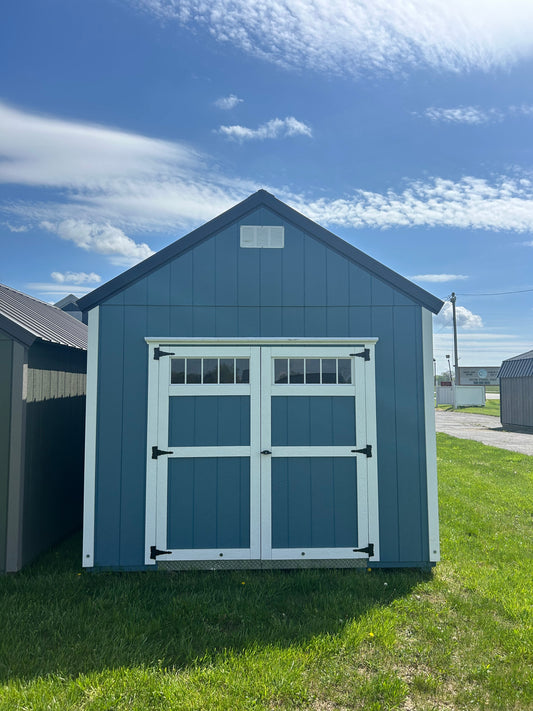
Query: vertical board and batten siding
point(516, 397)
point(55, 415)
point(218, 289)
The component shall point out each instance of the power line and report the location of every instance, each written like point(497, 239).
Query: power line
point(496, 293)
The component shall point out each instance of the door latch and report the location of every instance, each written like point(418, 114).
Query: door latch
point(266, 451)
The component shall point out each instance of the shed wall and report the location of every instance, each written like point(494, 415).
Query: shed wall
point(516, 397)
point(220, 290)
point(55, 416)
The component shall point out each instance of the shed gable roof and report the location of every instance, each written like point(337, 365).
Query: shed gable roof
point(519, 366)
point(26, 319)
point(261, 199)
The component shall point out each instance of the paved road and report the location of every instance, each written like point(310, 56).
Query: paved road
point(482, 428)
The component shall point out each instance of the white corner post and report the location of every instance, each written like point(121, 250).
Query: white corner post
point(89, 501)
point(431, 441)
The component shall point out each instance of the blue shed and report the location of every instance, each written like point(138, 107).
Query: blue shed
point(260, 395)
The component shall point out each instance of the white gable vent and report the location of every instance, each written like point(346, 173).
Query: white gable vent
point(265, 236)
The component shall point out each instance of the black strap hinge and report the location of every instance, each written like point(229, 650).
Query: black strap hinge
point(366, 450)
point(364, 354)
point(158, 353)
point(369, 550)
point(156, 452)
point(154, 552)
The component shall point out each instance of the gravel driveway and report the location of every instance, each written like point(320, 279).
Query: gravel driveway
point(482, 428)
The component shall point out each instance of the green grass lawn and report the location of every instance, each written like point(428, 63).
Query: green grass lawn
point(459, 637)
point(492, 407)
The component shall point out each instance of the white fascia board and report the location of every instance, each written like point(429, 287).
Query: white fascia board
point(89, 495)
point(431, 441)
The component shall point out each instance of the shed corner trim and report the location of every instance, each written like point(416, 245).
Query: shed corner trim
point(89, 500)
point(431, 440)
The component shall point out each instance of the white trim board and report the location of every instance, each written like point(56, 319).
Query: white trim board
point(181, 341)
point(89, 501)
point(431, 441)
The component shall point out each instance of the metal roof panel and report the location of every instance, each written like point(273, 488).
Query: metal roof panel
point(26, 318)
point(519, 366)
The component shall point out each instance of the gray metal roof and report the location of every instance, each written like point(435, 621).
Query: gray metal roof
point(26, 319)
point(259, 199)
point(518, 367)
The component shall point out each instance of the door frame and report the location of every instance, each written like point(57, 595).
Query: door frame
point(153, 425)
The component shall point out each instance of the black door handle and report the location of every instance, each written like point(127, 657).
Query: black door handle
point(266, 451)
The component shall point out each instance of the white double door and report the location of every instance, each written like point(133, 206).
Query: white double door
point(261, 451)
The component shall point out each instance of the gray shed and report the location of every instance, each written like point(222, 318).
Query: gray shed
point(516, 393)
point(260, 394)
point(42, 405)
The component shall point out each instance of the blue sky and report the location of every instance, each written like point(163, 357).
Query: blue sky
point(403, 127)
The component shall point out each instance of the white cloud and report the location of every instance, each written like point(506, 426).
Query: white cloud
point(336, 36)
point(76, 278)
point(15, 228)
point(103, 183)
point(275, 128)
point(49, 152)
point(104, 205)
point(438, 278)
point(464, 114)
point(228, 102)
point(522, 110)
point(58, 291)
point(103, 239)
point(470, 203)
point(474, 115)
point(475, 348)
point(465, 319)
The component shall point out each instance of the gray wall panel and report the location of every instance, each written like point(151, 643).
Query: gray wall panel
point(55, 420)
point(517, 402)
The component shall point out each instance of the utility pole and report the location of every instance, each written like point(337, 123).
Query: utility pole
point(453, 299)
